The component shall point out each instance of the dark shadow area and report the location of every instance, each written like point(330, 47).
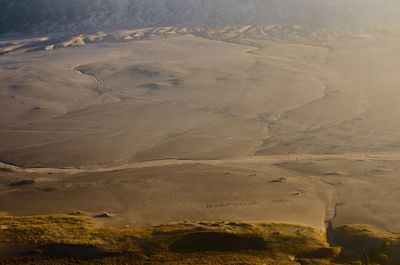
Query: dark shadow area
point(216, 241)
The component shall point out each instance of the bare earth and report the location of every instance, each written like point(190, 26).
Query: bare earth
point(205, 129)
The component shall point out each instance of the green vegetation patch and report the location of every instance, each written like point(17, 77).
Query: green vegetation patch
point(46, 229)
point(373, 246)
point(64, 239)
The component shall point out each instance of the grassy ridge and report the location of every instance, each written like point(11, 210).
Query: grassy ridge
point(59, 239)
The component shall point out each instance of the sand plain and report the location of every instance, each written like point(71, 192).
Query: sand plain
point(205, 129)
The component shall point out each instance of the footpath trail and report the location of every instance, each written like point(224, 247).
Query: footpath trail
point(272, 159)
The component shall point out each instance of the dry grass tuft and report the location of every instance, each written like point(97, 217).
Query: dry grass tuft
point(61, 239)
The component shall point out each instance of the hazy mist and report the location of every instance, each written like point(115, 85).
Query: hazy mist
point(80, 15)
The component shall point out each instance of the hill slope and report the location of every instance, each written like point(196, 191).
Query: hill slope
point(77, 15)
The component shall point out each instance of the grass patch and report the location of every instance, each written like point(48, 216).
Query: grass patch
point(372, 246)
point(218, 241)
point(60, 239)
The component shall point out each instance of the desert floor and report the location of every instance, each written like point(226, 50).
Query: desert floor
point(199, 129)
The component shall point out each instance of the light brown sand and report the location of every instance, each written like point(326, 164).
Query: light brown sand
point(213, 112)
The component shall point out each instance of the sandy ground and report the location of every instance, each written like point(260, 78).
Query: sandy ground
point(254, 130)
point(303, 189)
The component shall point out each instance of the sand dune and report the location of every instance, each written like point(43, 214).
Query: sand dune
point(167, 98)
point(171, 124)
